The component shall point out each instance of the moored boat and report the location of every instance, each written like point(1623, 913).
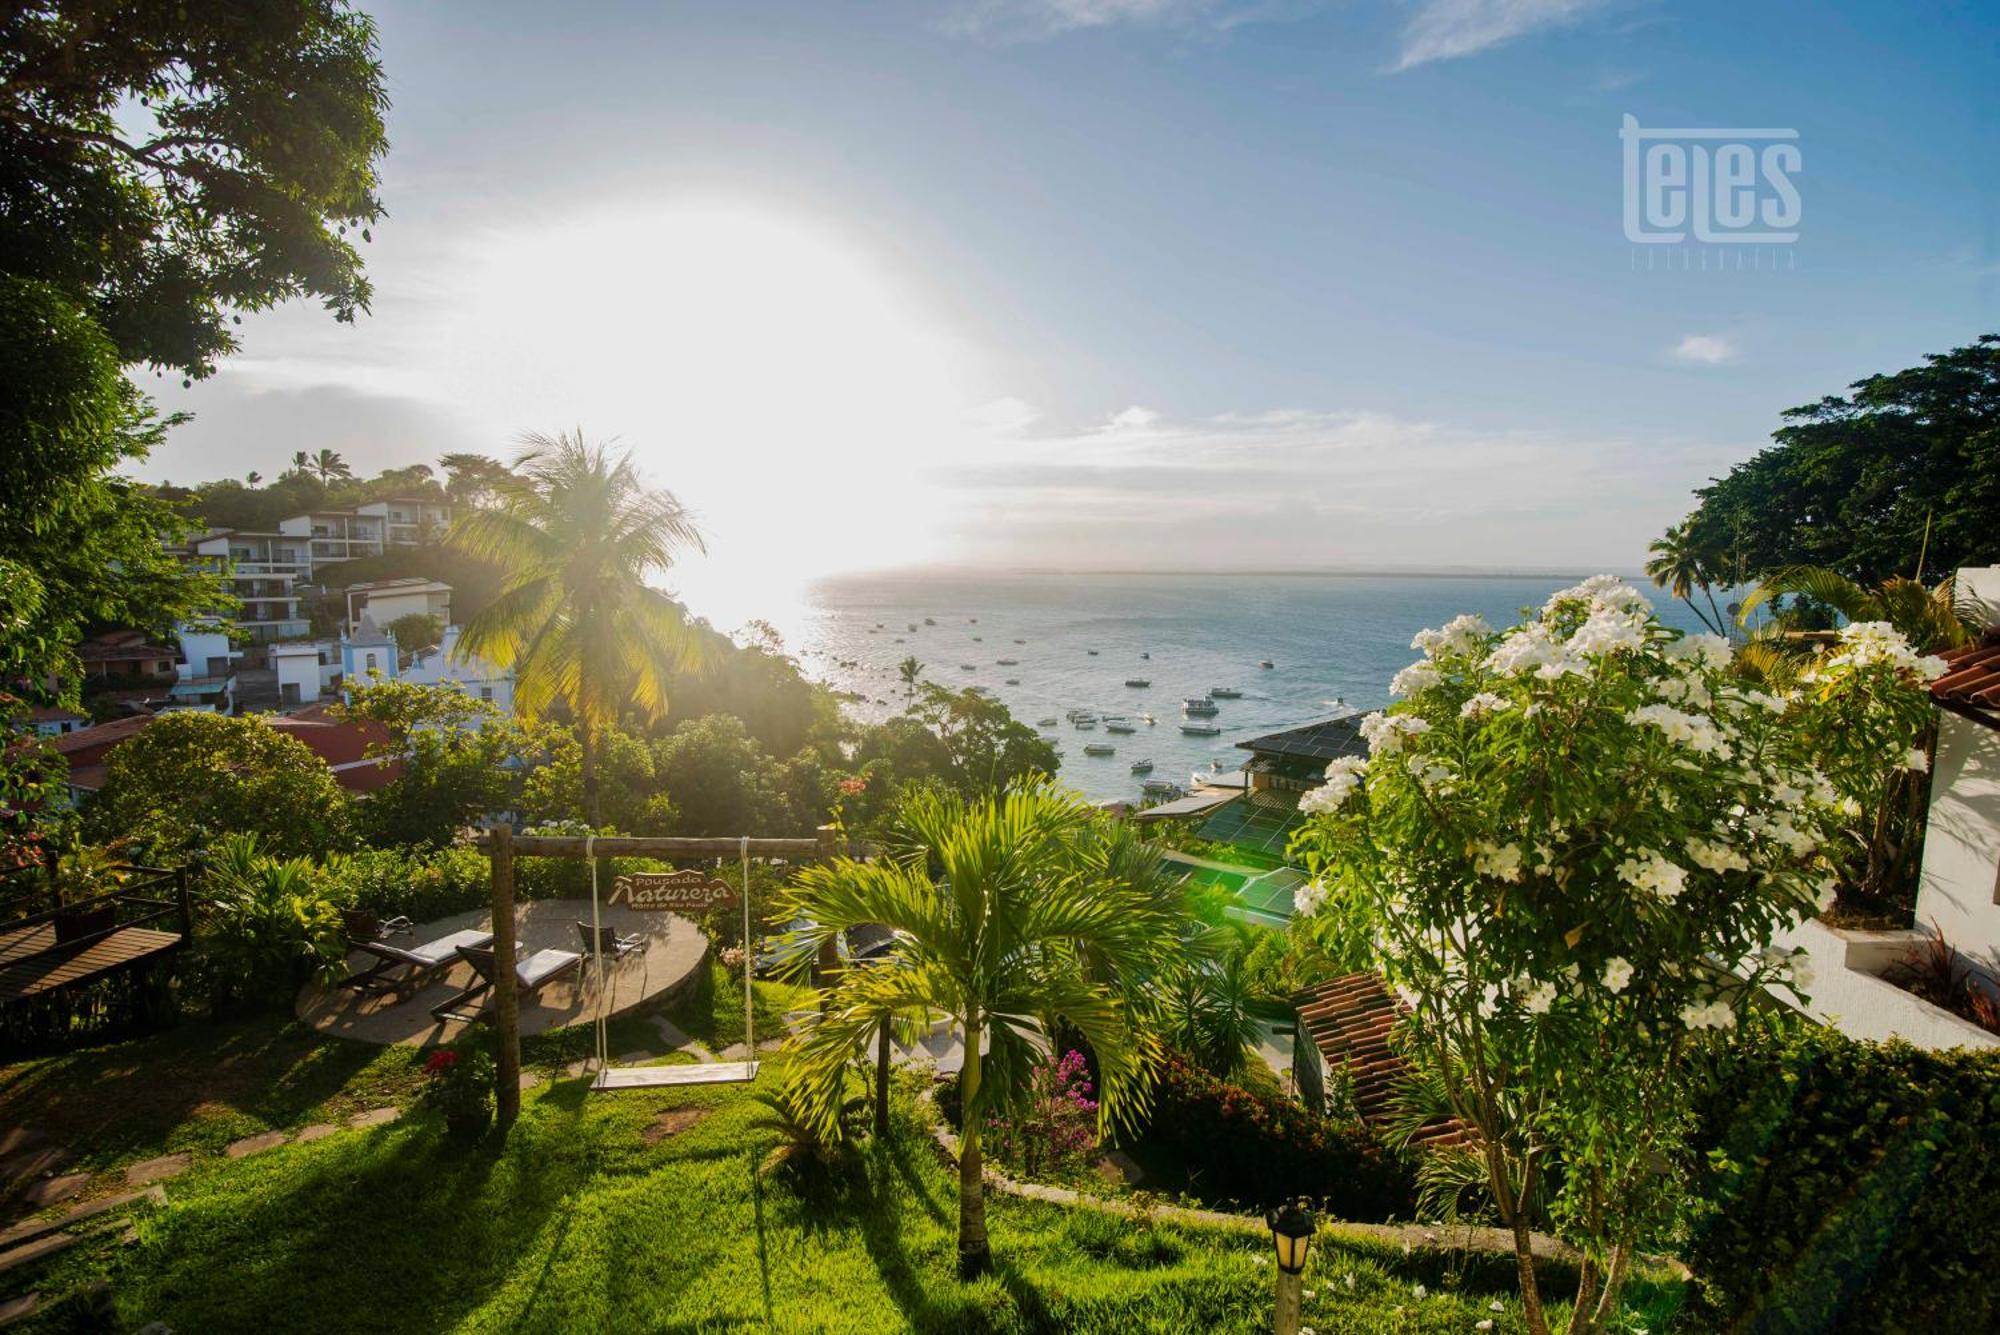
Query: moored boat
point(1161, 788)
point(1138, 681)
point(1201, 730)
point(1142, 767)
point(1225, 693)
point(1198, 704)
point(1099, 749)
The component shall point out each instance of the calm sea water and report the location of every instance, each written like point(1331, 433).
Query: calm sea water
point(1330, 638)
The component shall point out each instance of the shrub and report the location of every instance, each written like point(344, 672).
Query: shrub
point(1847, 1187)
point(1259, 1150)
point(1055, 1129)
point(422, 885)
point(269, 926)
point(459, 1084)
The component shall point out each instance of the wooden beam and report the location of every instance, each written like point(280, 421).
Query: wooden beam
point(506, 1000)
point(669, 846)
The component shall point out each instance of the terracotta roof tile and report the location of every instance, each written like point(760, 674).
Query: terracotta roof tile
point(1349, 1019)
point(1971, 684)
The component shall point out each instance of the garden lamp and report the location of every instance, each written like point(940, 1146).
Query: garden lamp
point(1291, 1233)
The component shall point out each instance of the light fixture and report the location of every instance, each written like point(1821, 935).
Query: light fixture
point(1291, 1233)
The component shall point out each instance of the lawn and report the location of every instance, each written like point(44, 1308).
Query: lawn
point(630, 1211)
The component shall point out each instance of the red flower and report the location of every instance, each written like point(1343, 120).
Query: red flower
point(853, 787)
point(440, 1061)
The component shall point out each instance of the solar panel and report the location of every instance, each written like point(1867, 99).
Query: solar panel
point(1320, 741)
point(1264, 826)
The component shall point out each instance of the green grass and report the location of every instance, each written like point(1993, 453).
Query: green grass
point(711, 1011)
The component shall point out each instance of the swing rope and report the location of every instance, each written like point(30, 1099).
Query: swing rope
point(597, 950)
point(749, 1026)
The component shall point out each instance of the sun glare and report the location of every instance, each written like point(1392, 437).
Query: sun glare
point(785, 384)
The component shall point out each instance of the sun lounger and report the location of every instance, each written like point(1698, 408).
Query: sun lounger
point(609, 942)
point(367, 925)
point(531, 975)
point(419, 962)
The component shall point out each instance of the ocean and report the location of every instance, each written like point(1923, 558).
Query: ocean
point(1334, 641)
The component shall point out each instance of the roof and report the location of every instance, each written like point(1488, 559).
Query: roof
point(402, 584)
point(1971, 683)
point(1349, 1020)
point(341, 743)
point(119, 646)
point(1196, 805)
point(53, 714)
point(1318, 741)
point(1263, 821)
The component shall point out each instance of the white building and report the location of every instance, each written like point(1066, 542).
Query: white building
point(265, 570)
point(383, 602)
point(308, 670)
point(480, 679)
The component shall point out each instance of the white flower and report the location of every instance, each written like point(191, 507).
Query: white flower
point(1654, 874)
point(1484, 1323)
point(1500, 861)
point(1930, 667)
point(1461, 635)
point(1867, 643)
point(1716, 857)
point(1708, 650)
point(1306, 900)
point(1349, 1277)
point(1801, 969)
point(1482, 704)
point(1532, 650)
point(1713, 1014)
point(1415, 679)
point(1609, 632)
point(1600, 590)
point(1431, 775)
point(1496, 1306)
point(1537, 998)
point(1419, 1292)
point(1343, 776)
point(1918, 760)
point(1386, 734)
point(1617, 974)
point(1697, 732)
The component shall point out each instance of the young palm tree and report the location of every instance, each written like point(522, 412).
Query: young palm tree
point(1681, 564)
point(911, 671)
point(1926, 617)
point(996, 903)
point(575, 534)
point(302, 463)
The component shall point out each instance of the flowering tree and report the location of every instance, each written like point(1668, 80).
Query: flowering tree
point(1561, 844)
point(1056, 1126)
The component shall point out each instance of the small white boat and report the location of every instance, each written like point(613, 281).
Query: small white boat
point(1084, 722)
point(1013, 681)
point(1266, 663)
point(1091, 652)
point(1198, 704)
point(1118, 725)
point(1138, 681)
point(977, 638)
point(1225, 693)
point(1142, 767)
point(1201, 730)
point(1048, 722)
point(1099, 749)
point(1162, 788)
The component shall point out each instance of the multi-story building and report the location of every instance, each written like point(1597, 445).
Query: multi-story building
point(265, 571)
point(367, 530)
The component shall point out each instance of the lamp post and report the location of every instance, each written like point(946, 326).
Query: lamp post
point(1291, 1235)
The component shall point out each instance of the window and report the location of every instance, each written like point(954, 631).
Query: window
point(486, 692)
point(370, 663)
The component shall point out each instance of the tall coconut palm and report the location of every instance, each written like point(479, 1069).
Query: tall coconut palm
point(575, 533)
point(911, 671)
point(996, 901)
point(1681, 564)
point(329, 465)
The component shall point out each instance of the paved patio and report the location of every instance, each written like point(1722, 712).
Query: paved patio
point(674, 948)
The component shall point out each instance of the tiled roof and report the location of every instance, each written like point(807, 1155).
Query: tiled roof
point(341, 744)
point(1349, 1020)
point(1971, 685)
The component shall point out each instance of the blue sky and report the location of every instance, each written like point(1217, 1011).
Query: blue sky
point(1131, 282)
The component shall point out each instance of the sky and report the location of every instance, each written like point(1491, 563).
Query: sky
point(1128, 284)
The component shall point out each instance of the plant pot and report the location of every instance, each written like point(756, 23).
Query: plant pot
point(466, 1127)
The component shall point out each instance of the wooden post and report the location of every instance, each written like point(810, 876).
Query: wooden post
point(506, 1002)
point(1286, 1318)
point(827, 841)
point(186, 902)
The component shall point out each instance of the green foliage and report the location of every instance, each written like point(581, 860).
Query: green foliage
point(1847, 1187)
point(459, 1083)
point(420, 884)
point(31, 810)
point(722, 782)
point(263, 126)
point(187, 779)
point(267, 924)
point(416, 630)
point(1260, 1149)
point(1212, 1003)
point(455, 752)
point(1905, 469)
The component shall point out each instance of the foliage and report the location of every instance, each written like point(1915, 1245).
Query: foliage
point(416, 630)
point(455, 752)
point(576, 533)
point(261, 129)
point(267, 925)
point(985, 749)
point(1938, 973)
point(459, 1083)
point(31, 806)
point(804, 1149)
point(1846, 1187)
point(1901, 477)
point(1055, 1128)
point(1213, 1002)
point(1821, 598)
point(722, 782)
point(1681, 564)
point(422, 884)
point(1004, 914)
point(189, 778)
point(1548, 842)
point(1260, 1149)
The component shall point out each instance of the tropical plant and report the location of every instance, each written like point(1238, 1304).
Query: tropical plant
point(994, 901)
point(1682, 562)
point(576, 533)
point(471, 478)
point(1054, 1128)
point(269, 924)
point(912, 672)
point(458, 1082)
point(1212, 1007)
point(328, 465)
point(1548, 844)
point(1926, 617)
point(805, 1147)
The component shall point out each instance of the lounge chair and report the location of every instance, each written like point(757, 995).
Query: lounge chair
point(418, 962)
point(531, 975)
point(368, 925)
point(609, 942)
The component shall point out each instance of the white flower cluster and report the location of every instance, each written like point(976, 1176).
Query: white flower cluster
point(1716, 857)
point(1866, 643)
point(1532, 651)
point(1654, 874)
point(1707, 650)
point(1460, 635)
point(1481, 705)
point(1610, 630)
point(1712, 1014)
point(1601, 591)
point(1418, 677)
point(1617, 974)
point(1343, 776)
point(1697, 732)
point(1792, 965)
point(1387, 734)
point(1307, 899)
point(1918, 761)
point(1500, 861)
point(1536, 997)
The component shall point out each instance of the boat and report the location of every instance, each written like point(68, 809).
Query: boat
point(1020, 641)
point(1013, 681)
point(913, 627)
point(1142, 767)
point(1074, 714)
point(930, 621)
point(1201, 730)
point(1091, 652)
point(973, 620)
point(1099, 749)
point(1225, 693)
point(1085, 722)
point(1138, 681)
point(977, 638)
point(1148, 720)
point(1118, 725)
point(1265, 663)
point(1143, 653)
point(1048, 722)
point(1198, 704)
point(1007, 662)
point(969, 667)
point(1161, 788)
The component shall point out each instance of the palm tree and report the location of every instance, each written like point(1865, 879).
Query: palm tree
point(253, 477)
point(329, 465)
point(910, 670)
point(1211, 1007)
point(302, 464)
point(1683, 563)
point(995, 902)
point(575, 534)
point(1926, 616)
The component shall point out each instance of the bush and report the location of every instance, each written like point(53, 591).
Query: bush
point(268, 926)
point(1847, 1187)
point(422, 885)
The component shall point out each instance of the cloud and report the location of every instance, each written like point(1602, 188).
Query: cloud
point(1449, 29)
point(1704, 350)
point(1034, 20)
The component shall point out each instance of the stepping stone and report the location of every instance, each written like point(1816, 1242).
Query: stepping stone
point(30, 1252)
point(158, 1170)
point(317, 1131)
point(35, 1228)
point(257, 1144)
point(32, 1163)
point(375, 1117)
point(15, 1308)
point(17, 1138)
point(529, 1079)
point(52, 1189)
point(633, 1058)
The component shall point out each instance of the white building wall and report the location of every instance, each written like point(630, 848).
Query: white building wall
point(206, 653)
point(1960, 891)
point(480, 679)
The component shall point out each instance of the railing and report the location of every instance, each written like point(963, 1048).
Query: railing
point(159, 893)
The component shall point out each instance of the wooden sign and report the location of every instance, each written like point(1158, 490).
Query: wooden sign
point(681, 891)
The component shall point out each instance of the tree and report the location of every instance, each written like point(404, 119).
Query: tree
point(1926, 617)
point(1901, 477)
point(262, 128)
point(1552, 842)
point(329, 465)
point(454, 753)
point(912, 672)
point(1681, 564)
point(470, 479)
point(720, 780)
point(576, 533)
point(994, 900)
point(986, 749)
point(416, 630)
point(189, 778)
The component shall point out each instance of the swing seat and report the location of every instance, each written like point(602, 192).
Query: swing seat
point(659, 1077)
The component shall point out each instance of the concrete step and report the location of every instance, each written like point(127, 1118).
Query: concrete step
point(30, 1229)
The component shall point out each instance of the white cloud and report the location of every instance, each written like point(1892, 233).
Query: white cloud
point(1704, 350)
point(1448, 29)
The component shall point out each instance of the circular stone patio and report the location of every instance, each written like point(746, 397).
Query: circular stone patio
point(674, 949)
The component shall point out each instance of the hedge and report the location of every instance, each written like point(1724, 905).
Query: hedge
point(1848, 1187)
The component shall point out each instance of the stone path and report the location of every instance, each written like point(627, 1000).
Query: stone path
point(158, 1170)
